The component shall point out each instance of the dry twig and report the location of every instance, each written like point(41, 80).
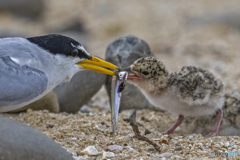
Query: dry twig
point(143, 138)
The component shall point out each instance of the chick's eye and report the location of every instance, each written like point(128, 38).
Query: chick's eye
point(145, 72)
point(74, 52)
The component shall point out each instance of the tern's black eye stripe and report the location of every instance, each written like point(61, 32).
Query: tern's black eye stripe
point(74, 53)
point(83, 55)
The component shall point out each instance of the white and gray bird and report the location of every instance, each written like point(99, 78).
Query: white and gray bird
point(191, 92)
point(32, 67)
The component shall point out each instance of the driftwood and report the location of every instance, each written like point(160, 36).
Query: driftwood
point(143, 138)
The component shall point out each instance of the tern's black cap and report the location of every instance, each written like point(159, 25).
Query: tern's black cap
point(58, 44)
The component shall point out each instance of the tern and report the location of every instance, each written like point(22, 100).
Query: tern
point(32, 67)
point(191, 92)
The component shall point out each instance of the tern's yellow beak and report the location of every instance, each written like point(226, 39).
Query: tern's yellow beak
point(97, 65)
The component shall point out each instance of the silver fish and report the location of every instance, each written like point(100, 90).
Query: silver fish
point(118, 84)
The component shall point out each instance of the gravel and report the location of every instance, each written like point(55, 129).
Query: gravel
point(85, 131)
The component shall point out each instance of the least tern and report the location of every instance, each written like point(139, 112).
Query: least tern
point(32, 67)
point(191, 92)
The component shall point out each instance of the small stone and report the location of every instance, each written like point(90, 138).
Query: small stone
point(164, 141)
point(226, 144)
point(178, 148)
point(141, 151)
point(29, 110)
point(130, 148)
point(190, 138)
point(105, 148)
point(90, 150)
point(108, 155)
point(151, 149)
point(115, 147)
point(166, 154)
point(147, 132)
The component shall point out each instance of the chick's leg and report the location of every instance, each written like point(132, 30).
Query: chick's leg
point(219, 115)
point(176, 124)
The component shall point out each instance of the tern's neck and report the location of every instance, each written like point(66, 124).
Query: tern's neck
point(67, 68)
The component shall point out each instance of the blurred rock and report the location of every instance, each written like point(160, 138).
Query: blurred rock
point(74, 94)
point(228, 18)
point(21, 142)
point(48, 102)
point(123, 52)
point(10, 33)
point(78, 36)
point(74, 25)
point(26, 8)
point(74, 29)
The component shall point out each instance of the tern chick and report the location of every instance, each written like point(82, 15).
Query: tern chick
point(191, 92)
point(230, 124)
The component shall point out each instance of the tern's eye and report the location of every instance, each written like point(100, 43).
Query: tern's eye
point(74, 52)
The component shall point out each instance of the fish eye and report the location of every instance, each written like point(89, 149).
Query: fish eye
point(74, 52)
point(121, 74)
point(145, 72)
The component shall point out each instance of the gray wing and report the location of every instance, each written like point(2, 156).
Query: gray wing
point(19, 84)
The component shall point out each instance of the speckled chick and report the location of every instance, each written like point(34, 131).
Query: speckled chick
point(230, 124)
point(191, 92)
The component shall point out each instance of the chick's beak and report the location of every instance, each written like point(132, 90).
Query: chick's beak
point(97, 65)
point(131, 75)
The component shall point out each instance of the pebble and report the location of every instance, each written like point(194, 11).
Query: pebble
point(115, 147)
point(166, 154)
point(108, 155)
point(90, 150)
point(227, 144)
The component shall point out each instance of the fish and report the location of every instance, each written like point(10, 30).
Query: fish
point(117, 86)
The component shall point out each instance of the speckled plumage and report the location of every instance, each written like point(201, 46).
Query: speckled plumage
point(191, 92)
point(230, 124)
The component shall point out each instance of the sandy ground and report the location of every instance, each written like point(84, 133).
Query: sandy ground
point(75, 132)
point(162, 25)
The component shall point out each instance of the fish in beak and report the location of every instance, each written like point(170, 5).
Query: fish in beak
point(131, 75)
point(118, 84)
